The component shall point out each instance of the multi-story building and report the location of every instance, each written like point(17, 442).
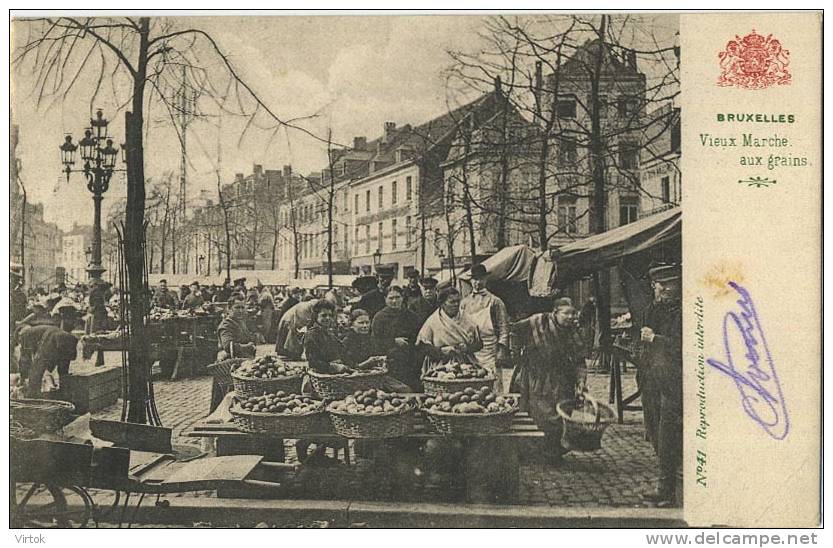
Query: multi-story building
point(660, 176)
point(75, 249)
point(34, 243)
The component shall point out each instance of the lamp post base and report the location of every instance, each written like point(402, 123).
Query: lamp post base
point(95, 272)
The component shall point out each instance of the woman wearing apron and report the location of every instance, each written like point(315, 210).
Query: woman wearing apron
point(488, 313)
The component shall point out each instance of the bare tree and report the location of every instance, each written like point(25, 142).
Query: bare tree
point(145, 55)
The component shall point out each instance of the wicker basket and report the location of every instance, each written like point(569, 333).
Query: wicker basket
point(436, 386)
point(246, 387)
point(584, 423)
point(461, 424)
point(222, 371)
point(279, 423)
point(393, 424)
point(41, 416)
point(337, 387)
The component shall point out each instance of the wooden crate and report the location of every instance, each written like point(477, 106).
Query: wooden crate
point(92, 389)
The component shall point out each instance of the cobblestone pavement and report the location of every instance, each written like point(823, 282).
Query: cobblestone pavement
point(612, 477)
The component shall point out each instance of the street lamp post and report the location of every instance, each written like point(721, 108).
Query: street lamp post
point(99, 157)
point(377, 259)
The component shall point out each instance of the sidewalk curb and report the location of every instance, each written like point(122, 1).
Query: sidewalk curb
point(341, 513)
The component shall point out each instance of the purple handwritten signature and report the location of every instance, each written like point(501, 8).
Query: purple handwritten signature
point(754, 376)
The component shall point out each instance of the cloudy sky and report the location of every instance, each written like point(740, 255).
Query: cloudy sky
point(352, 72)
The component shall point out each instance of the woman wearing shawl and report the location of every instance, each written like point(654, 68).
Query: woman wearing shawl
point(358, 344)
point(446, 332)
point(321, 345)
point(394, 332)
point(551, 366)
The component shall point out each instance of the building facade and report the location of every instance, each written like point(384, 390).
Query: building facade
point(34, 243)
point(75, 244)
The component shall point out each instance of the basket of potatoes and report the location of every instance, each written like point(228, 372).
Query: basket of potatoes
point(470, 412)
point(279, 413)
point(455, 375)
point(373, 414)
point(266, 375)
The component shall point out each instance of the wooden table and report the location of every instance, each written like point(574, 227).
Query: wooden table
point(490, 462)
point(620, 356)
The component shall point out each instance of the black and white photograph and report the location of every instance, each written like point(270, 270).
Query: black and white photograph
point(346, 271)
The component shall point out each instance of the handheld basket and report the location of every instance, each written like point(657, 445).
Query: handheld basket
point(392, 424)
point(462, 424)
point(41, 416)
point(336, 387)
point(584, 423)
point(280, 423)
point(222, 371)
point(246, 387)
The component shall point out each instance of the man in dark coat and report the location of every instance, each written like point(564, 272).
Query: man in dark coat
point(46, 348)
point(194, 299)
point(412, 290)
point(164, 298)
point(425, 305)
point(291, 300)
point(661, 360)
point(374, 301)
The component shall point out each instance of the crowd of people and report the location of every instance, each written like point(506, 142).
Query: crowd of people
point(411, 325)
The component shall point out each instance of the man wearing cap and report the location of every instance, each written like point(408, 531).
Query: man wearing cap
point(660, 374)
point(163, 298)
point(412, 290)
point(194, 298)
point(373, 301)
point(488, 313)
point(425, 305)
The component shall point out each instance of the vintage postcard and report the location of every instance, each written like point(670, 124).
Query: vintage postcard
point(420, 270)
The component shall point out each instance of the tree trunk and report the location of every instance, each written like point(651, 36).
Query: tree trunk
point(225, 227)
point(138, 370)
point(601, 280)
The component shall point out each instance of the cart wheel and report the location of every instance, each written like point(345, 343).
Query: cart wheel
point(50, 506)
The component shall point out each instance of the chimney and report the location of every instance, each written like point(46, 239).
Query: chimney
point(631, 59)
point(498, 87)
point(388, 130)
point(258, 170)
point(359, 143)
point(539, 86)
point(287, 172)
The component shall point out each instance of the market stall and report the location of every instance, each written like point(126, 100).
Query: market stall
point(632, 249)
point(459, 411)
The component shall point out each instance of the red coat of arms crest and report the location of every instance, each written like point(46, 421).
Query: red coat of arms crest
point(754, 62)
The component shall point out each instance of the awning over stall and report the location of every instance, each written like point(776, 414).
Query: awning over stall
point(510, 264)
point(590, 254)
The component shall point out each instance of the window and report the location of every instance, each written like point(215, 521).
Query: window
point(346, 240)
point(380, 239)
point(356, 241)
point(566, 108)
point(408, 188)
point(627, 107)
point(356, 204)
point(393, 193)
point(567, 153)
point(628, 157)
point(393, 234)
point(367, 238)
point(602, 107)
point(665, 183)
point(408, 230)
point(627, 212)
point(367, 200)
point(567, 216)
point(381, 197)
point(344, 204)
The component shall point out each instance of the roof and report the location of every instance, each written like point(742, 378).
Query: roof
point(590, 254)
point(585, 55)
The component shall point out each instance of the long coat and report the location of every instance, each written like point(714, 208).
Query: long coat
point(388, 325)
